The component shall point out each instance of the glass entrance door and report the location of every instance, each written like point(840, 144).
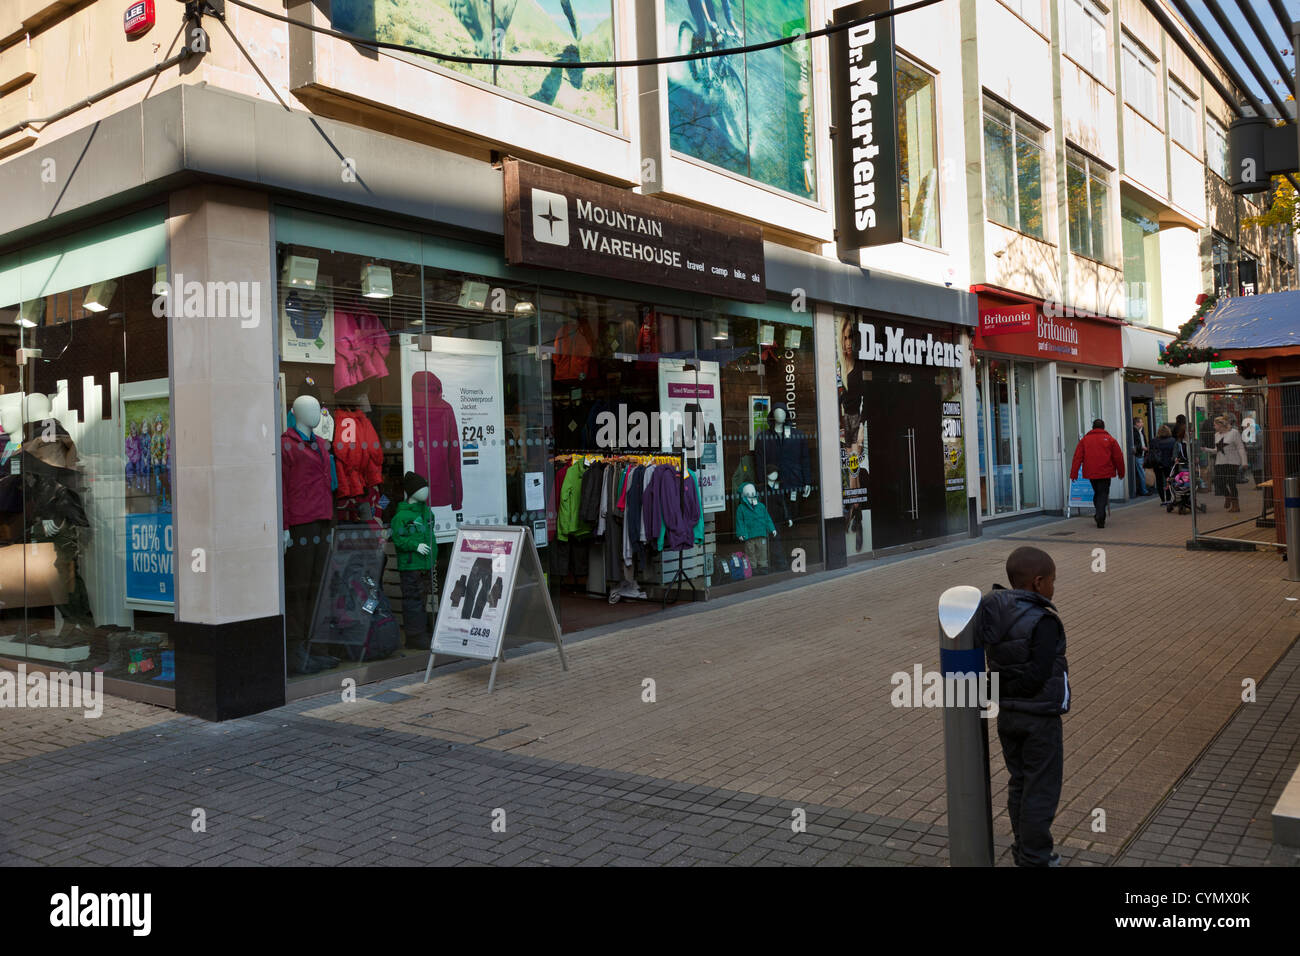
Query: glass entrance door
point(1080, 406)
point(1008, 436)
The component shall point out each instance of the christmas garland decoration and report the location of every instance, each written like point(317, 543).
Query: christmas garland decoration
point(1179, 351)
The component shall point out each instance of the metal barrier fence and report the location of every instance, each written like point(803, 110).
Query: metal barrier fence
point(1241, 444)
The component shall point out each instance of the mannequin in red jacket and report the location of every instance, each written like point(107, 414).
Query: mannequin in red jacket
point(1100, 458)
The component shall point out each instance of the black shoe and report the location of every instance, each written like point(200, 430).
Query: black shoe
point(1054, 860)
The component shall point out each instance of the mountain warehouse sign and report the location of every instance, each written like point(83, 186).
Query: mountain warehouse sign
point(560, 221)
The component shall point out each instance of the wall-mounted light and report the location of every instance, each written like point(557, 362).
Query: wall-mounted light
point(376, 281)
point(792, 337)
point(473, 295)
point(30, 312)
point(300, 272)
point(100, 296)
point(723, 331)
point(767, 335)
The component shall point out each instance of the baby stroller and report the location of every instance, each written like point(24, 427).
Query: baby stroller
point(1178, 487)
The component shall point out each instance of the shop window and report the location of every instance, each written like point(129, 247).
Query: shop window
point(918, 153)
point(1013, 163)
point(560, 31)
point(749, 113)
point(86, 535)
point(1087, 187)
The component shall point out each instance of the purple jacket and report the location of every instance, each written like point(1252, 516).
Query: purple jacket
point(305, 479)
point(672, 502)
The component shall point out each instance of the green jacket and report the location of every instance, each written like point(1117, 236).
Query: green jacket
point(753, 521)
point(413, 524)
point(568, 524)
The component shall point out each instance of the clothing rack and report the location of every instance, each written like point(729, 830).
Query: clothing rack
point(609, 459)
point(674, 586)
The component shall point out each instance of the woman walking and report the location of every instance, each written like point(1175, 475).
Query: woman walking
point(1229, 456)
point(1164, 451)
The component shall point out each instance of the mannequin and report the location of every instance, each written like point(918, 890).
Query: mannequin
point(417, 555)
point(782, 451)
point(12, 424)
point(754, 526)
point(307, 488)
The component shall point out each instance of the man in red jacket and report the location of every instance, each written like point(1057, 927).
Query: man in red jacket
point(1101, 459)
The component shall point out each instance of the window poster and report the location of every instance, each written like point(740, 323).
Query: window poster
point(750, 113)
point(855, 462)
point(453, 423)
point(150, 548)
point(559, 31)
point(690, 419)
point(307, 323)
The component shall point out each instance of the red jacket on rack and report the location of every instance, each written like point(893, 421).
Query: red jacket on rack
point(358, 456)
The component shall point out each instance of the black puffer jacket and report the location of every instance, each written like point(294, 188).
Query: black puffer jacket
point(1007, 619)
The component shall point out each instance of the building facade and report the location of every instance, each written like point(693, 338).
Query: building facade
point(260, 285)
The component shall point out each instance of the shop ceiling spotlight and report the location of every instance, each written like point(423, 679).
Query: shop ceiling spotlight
point(473, 295)
point(376, 282)
point(100, 296)
point(524, 307)
point(30, 312)
point(300, 272)
point(767, 335)
point(723, 331)
point(792, 337)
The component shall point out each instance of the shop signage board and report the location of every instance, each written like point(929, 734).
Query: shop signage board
point(868, 201)
point(1077, 340)
point(494, 591)
point(1001, 319)
point(896, 344)
point(561, 221)
point(453, 411)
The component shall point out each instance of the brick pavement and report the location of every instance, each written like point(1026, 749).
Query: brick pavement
point(764, 705)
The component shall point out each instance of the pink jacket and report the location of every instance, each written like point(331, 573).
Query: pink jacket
point(437, 442)
point(360, 347)
point(305, 479)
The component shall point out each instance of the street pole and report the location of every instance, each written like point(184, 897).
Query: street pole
point(965, 732)
point(1291, 502)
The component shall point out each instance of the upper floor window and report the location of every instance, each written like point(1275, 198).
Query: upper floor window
point(1183, 115)
point(1216, 146)
point(918, 153)
point(1013, 170)
point(555, 30)
point(1141, 77)
point(749, 113)
point(1031, 11)
point(1087, 187)
point(1085, 36)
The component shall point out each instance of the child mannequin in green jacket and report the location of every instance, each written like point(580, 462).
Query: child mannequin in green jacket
point(754, 526)
point(417, 552)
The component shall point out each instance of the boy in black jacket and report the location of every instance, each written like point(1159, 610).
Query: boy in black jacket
point(1024, 644)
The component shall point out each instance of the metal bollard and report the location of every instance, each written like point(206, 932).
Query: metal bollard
point(1292, 504)
point(965, 734)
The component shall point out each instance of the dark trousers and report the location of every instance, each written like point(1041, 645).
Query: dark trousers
point(415, 620)
point(1100, 497)
point(1226, 478)
point(1035, 756)
point(304, 565)
point(1162, 476)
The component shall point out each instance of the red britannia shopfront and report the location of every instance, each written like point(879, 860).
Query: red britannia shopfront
point(1026, 352)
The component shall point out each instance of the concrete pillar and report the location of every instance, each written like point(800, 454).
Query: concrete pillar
point(230, 644)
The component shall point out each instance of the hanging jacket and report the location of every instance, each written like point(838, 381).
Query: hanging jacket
point(305, 471)
point(360, 347)
point(359, 462)
point(753, 521)
point(412, 526)
point(1007, 619)
point(437, 442)
point(632, 527)
point(671, 510)
point(589, 504)
point(787, 455)
point(573, 350)
point(570, 524)
point(1099, 455)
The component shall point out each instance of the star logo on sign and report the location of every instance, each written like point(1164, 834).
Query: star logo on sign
point(550, 218)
